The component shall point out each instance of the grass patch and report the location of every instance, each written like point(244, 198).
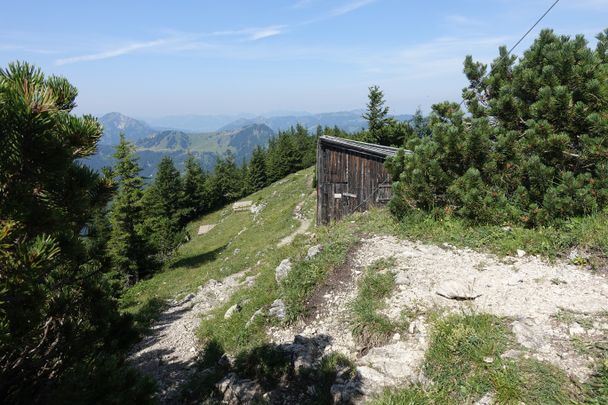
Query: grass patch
point(239, 241)
point(588, 234)
point(369, 327)
point(306, 274)
point(464, 363)
point(596, 390)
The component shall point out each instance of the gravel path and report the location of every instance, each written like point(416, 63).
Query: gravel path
point(545, 302)
point(304, 225)
point(169, 352)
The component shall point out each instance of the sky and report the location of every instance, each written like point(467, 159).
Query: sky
point(157, 58)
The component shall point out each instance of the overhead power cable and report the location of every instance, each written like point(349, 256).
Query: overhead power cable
point(521, 39)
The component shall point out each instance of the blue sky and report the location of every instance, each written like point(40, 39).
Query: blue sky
point(154, 58)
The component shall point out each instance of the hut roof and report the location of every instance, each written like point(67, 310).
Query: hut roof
point(361, 147)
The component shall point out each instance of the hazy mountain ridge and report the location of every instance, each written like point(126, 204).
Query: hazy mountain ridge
point(115, 123)
point(205, 147)
point(350, 121)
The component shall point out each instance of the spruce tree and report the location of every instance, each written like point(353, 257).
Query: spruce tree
point(226, 184)
point(163, 210)
point(128, 246)
point(376, 114)
point(256, 175)
point(195, 196)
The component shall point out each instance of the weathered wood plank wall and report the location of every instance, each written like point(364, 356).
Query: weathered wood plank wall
point(348, 180)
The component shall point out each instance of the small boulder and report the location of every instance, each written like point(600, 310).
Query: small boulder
point(457, 290)
point(576, 329)
point(232, 310)
point(257, 313)
point(313, 251)
point(278, 309)
point(282, 270)
point(521, 253)
point(239, 391)
point(487, 399)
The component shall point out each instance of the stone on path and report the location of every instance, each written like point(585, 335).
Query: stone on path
point(456, 290)
point(203, 229)
point(242, 205)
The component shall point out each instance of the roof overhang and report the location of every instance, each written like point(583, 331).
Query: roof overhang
point(380, 151)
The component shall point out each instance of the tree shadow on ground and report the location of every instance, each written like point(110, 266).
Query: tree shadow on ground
point(297, 372)
point(198, 259)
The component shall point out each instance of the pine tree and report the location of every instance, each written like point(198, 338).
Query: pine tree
point(58, 317)
point(128, 246)
point(533, 149)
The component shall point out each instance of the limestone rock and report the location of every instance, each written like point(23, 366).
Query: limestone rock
point(257, 313)
point(487, 399)
point(278, 310)
point(232, 310)
point(236, 391)
point(313, 251)
point(391, 364)
point(282, 270)
point(457, 290)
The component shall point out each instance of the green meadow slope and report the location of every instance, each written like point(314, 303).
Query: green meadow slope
point(237, 335)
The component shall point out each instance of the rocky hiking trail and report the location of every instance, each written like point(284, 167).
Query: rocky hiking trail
point(553, 309)
point(550, 307)
point(169, 352)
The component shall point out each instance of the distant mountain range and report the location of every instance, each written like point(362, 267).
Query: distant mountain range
point(205, 147)
point(350, 121)
point(116, 123)
point(207, 136)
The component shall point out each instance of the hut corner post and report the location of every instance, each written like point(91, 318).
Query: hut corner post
point(320, 180)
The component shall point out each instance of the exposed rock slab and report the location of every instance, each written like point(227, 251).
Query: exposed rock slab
point(203, 229)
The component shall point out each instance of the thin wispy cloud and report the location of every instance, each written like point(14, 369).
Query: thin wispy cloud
point(181, 43)
point(349, 7)
point(113, 53)
point(457, 19)
point(252, 34)
point(266, 33)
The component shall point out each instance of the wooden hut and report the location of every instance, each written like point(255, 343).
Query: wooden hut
point(350, 177)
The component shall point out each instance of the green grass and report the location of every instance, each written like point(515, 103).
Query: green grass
point(238, 243)
point(463, 362)
point(295, 289)
point(589, 234)
point(223, 251)
point(371, 328)
point(596, 390)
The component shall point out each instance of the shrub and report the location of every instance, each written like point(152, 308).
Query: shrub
point(533, 148)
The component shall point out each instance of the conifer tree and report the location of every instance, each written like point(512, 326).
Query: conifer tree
point(58, 317)
point(256, 175)
point(163, 210)
point(533, 149)
point(128, 246)
point(376, 114)
point(195, 198)
point(226, 184)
